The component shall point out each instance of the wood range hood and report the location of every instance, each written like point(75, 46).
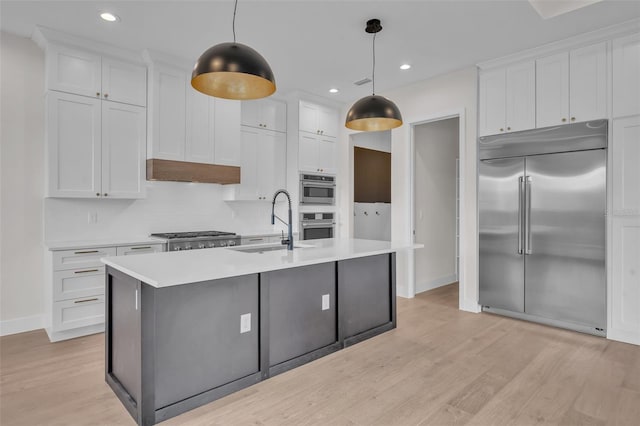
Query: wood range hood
point(184, 171)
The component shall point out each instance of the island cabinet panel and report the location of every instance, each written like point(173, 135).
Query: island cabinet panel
point(199, 341)
point(366, 295)
point(299, 322)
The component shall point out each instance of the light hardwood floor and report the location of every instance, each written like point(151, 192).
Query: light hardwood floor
point(440, 366)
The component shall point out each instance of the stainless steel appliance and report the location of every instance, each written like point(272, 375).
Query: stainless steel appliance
point(542, 201)
point(317, 189)
point(317, 225)
point(177, 241)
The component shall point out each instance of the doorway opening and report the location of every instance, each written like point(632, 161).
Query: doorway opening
point(436, 202)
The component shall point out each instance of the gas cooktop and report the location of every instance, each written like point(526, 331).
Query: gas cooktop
point(195, 234)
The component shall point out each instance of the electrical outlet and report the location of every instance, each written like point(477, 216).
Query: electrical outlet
point(92, 218)
point(325, 302)
point(245, 323)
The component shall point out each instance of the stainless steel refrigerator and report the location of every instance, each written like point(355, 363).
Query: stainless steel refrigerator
point(542, 205)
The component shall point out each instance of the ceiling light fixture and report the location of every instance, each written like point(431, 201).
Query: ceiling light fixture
point(373, 113)
point(233, 71)
point(109, 17)
point(334, 90)
point(405, 66)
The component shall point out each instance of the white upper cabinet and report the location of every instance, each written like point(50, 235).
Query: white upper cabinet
point(124, 137)
point(124, 82)
point(265, 114)
point(552, 90)
point(263, 165)
point(94, 148)
point(318, 119)
point(188, 125)
point(227, 132)
point(73, 144)
point(507, 99)
point(626, 76)
point(521, 97)
point(572, 86)
point(588, 83)
point(168, 114)
point(85, 73)
point(316, 154)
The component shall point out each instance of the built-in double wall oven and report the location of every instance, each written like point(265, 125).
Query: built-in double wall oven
point(314, 226)
point(317, 189)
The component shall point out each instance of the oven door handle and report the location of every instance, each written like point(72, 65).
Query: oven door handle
point(321, 184)
point(318, 225)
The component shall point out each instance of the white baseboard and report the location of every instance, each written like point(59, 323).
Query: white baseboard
point(57, 336)
point(20, 325)
point(403, 292)
point(624, 336)
point(438, 282)
point(468, 305)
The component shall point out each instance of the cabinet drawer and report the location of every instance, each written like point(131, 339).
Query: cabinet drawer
point(139, 249)
point(75, 283)
point(81, 258)
point(76, 313)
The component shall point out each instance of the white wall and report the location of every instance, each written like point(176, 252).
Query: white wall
point(379, 141)
point(21, 180)
point(436, 150)
point(439, 96)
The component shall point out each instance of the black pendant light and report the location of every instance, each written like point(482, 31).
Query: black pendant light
point(233, 71)
point(373, 113)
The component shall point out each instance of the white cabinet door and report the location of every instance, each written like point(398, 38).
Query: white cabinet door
point(521, 97)
point(227, 132)
point(626, 76)
point(328, 121)
point(265, 114)
point(552, 90)
point(73, 145)
point(271, 163)
point(124, 82)
point(248, 187)
point(625, 286)
point(199, 141)
point(588, 83)
point(625, 153)
point(73, 71)
point(169, 114)
point(327, 155)
point(492, 102)
point(274, 115)
point(124, 138)
point(308, 118)
point(308, 153)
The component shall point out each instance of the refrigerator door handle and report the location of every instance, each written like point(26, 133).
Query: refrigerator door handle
point(520, 209)
point(527, 215)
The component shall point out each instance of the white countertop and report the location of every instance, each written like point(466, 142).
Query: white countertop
point(111, 242)
point(184, 267)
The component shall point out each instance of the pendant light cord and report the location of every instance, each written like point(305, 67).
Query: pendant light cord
point(373, 72)
point(234, 21)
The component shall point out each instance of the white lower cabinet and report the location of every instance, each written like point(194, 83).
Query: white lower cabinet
point(75, 293)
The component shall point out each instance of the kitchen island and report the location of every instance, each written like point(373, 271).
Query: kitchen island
point(186, 328)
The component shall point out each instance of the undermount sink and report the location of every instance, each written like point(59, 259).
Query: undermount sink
point(264, 248)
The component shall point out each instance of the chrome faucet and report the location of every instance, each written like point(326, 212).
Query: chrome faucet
point(289, 240)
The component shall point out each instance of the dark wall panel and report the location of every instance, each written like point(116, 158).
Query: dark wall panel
point(371, 176)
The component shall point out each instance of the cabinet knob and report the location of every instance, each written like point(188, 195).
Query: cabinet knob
point(508, 128)
point(97, 93)
point(501, 129)
point(564, 120)
point(573, 119)
point(97, 194)
point(106, 95)
point(105, 194)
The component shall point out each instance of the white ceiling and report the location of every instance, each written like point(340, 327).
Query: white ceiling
point(314, 45)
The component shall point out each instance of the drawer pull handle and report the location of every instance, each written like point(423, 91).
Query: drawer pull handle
point(86, 252)
point(84, 272)
point(141, 248)
point(86, 300)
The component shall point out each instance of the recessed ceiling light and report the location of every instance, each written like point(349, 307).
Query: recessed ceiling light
point(405, 66)
point(333, 90)
point(109, 17)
